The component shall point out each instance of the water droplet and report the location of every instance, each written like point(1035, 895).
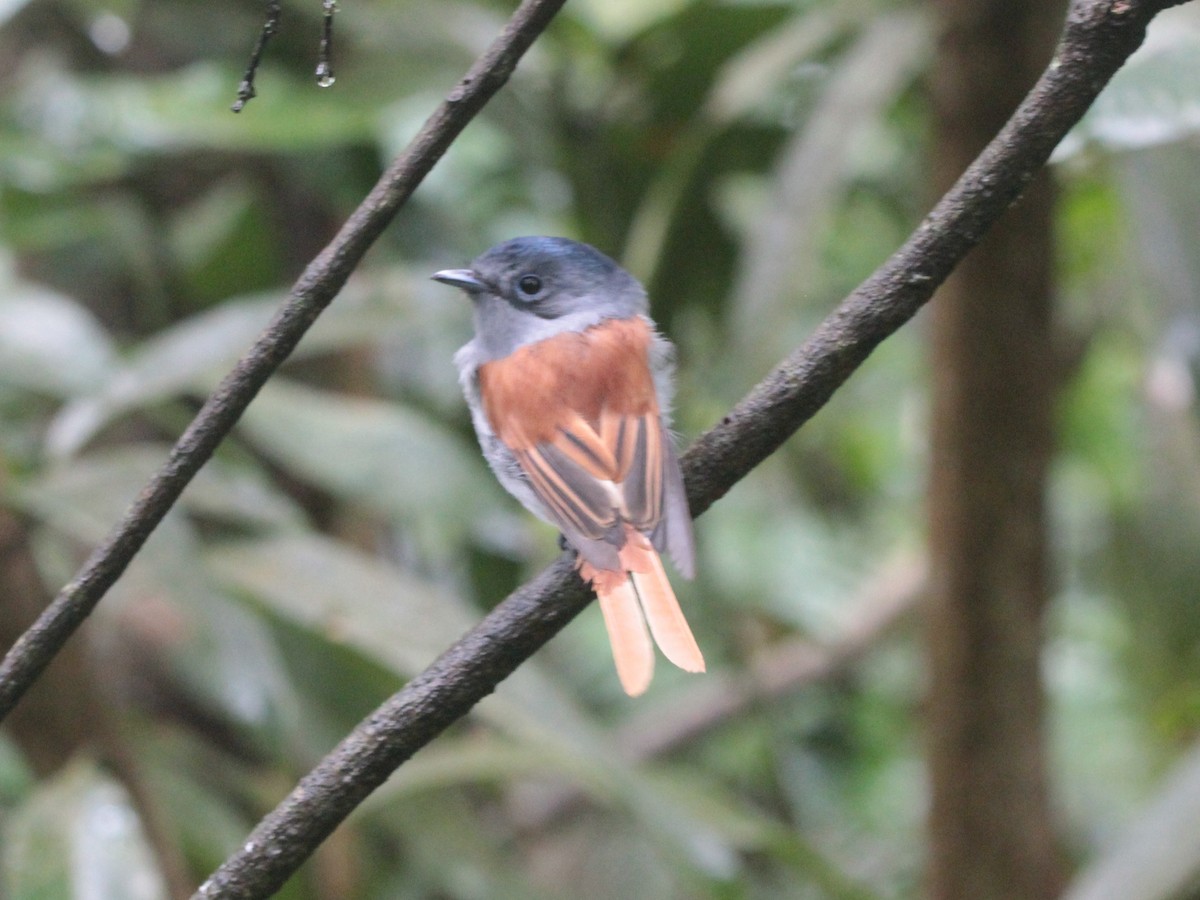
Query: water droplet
point(110, 33)
point(325, 76)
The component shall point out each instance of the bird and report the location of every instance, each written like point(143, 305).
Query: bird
point(569, 385)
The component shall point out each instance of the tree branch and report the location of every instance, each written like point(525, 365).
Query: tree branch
point(314, 290)
point(270, 28)
point(1099, 36)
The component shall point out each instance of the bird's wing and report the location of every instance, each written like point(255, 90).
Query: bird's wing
point(580, 414)
point(595, 478)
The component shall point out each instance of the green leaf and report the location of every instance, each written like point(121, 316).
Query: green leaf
point(180, 358)
point(404, 623)
point(811, 174)
point(83, 500)
point(193, 355)
point(619, 20)
point(85, 497)
point(223, 242)
point(1154, 98)
point(400, 621)
point(49, 343)
point(745, 81)
point(221, 653)
point(79, 836)
point(9, 8)
point(452, 852)
point(16, 779)
point(392, 459)
point(351, 598)
point(486, 759)
point(208, 824)
point(189, 109)
point(1156, 857)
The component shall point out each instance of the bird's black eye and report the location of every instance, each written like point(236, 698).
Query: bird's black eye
point(529, 285)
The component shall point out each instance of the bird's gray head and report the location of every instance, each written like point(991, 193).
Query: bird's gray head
point(532, 288)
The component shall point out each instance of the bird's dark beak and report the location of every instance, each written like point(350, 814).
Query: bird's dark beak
point(465, 279)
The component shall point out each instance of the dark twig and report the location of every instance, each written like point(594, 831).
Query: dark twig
point(314, 290)
point(1099, 36)
point(246, 89)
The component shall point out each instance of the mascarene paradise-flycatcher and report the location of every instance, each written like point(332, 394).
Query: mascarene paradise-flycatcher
point(570, 385)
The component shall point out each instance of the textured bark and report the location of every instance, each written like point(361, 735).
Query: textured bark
point(990, 824)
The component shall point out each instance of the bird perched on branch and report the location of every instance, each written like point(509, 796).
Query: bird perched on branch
point(569, 386)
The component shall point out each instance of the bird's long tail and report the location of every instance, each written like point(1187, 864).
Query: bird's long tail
point(633, 598)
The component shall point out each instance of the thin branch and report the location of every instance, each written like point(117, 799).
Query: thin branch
point(1099, 36)
point(270, 28)
point(314, 290)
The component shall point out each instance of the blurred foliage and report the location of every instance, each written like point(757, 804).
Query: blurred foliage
point(752, 161)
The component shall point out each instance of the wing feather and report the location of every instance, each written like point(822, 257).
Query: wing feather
point(587, 449)
point(592, 497)
point(674, 531)
point(568, 508)
point(618, 432)
point(640, 484)
point(643, 484)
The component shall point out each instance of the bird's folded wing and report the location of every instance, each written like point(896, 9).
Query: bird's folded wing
point(596, 478)
point(580, 413)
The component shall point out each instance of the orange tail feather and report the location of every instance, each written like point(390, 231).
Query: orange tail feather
point(631, 648)
point(630, 599)
point(667, 623)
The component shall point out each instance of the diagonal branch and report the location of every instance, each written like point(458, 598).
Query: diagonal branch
point(1099, 36)
point(314, 290)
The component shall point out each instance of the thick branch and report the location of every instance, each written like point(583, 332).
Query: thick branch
point(314, 290)
point(1100, 35)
